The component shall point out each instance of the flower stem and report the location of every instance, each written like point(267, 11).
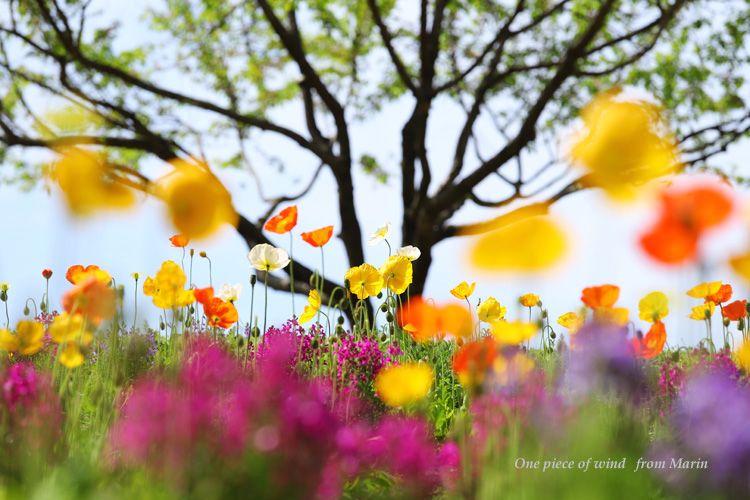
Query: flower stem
point(291, 270)
point(265, 311)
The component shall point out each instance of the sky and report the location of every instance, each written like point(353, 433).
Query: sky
point(39, 233)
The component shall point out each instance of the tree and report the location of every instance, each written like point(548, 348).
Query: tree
point(526, 66)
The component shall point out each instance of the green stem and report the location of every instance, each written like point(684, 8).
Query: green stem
point(291, 270)
point(265, 310)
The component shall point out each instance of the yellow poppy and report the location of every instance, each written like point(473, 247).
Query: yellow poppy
point(490, 310)
point(364, 281)
point(397, 273)
point(30, 336)
point(513, 332)
point(704, 290)
point(619, 316)
point(742, 357)
point(313, 301)
point(741, 265)
point(8, 341)
point(571, 320)
point(653, 307)
point(166, 288)
point(529, 300)
point(703, 311)
point(400, 385)
point(512, 369)
point(463, 290)
point(623, 146)
point(68, 328)
point(71, 356)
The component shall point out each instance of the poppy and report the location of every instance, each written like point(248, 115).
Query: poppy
point(319, 237)
point(472, 362)
point(463, 290)
point(220, 313)
point(179, 240)
point(652, 343)
point(735, 310)
point(397, 273)
point(283, 222)
point(600, 296)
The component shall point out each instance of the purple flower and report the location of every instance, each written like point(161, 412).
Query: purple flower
point(20, 384)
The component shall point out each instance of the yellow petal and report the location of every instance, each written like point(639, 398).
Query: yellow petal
point(71, 356)
point(513, 332)
point(704, 289)
point(653, 307)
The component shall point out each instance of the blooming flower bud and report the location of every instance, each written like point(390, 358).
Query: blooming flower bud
point(47, 273)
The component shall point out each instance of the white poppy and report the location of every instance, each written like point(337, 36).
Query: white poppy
point(410, 252)
point(380, 235)
point(265, 257)
point(230, 293)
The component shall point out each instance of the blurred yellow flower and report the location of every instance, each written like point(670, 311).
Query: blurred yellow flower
point(703, 311)
point(513, 332)
point(619, 316)
point(8, 341)
point(400, 385)
point(529, 300)
point(198, 203)
point(741, 265)
point(71, 356)
point(512, 369)
point(530, 244)
point(30, 335)
point(166, 288)
point(742, 356)
point(463, 290)
point(364, 281)
point(490, 310)
point(704, 290)
point(88, 184)
point(397, 273)
point(572, 321)
point(653, 307)
point(69, 330)
point(624, 144)
point(312, 307)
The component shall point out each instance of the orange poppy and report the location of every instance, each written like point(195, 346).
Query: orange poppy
point(723, 295)
point(685, 215)
point(203, 295)
point(283, 222)
point(220, 313)
point(77, 274)
point(652, 343)
point(92, 298)
point(473, 360)
point(319, 237)
point(179, 240)
point(425, 321)
point(600, 296)
point(735, 310)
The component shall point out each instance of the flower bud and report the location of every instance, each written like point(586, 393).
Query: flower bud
point(544, 314)
point(47, 273)
point(340, 320)
point(383, 338)
point(553, 335)
point(315, 344)
point(3, 295)
point(726, 322)
point(203, 254)
point(43, 306)
point(339, 330)
point(192, 252)
point(255, 332)
point(162, 326)
point(741, 324)
point(384, 307)
point(389, 318)
point(26, 310)
point(380, 295)
point(391, 330)
point(253, 279)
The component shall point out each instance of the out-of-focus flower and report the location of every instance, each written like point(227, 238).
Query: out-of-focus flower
point(529, 300)
point(490, 310)
point(283, 222)
point(722, 295)
point(312, 307)
point(230, 293)
point(531, 244)
point(473, 360)
point(88, 183)
point(166, 288)
point(741, 265)
point(511, 368)
point(380, 235)
point(410, 252)
point(179, 240)
point(686, 215)
point(319, 237)
point(463, 290)
point(742, 356)
point(28, 340)
point(703, 311)
point(425, 321)
point(652, 343)
point(397, 273)
point(600, 296)
point(513, 332)
point(197, 202)
point(619, 316)
point(77, 274)
point(70, 331)
point(364, 281)
point(400, 385)
point(91, 298)
point(265, 257)
point(704, 290)
point(572, 321)
point(735, 310)
point(4, 286)
point(653, 307)
point(46, 273)
point(622, 146)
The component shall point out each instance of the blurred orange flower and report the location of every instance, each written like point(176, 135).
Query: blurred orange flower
point(179, 240)
point(284, 221)
point(77, 274)
point(652, 343)
point(685, 215)
point(472, 362)
point(600, 296)
point(92, 299)
point(319, 237)
point(425, 321)
point(735, 310)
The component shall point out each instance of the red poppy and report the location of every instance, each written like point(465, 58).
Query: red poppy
point(283, 222)
point(735, 310)
point(600, 296)
point(685, 215)
point(179, 240)
point(46, 273)
point(220, 313)
point(474, 359)
point(652, 343)
point(204, 295)
point(319, 237)
point(723, 295)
